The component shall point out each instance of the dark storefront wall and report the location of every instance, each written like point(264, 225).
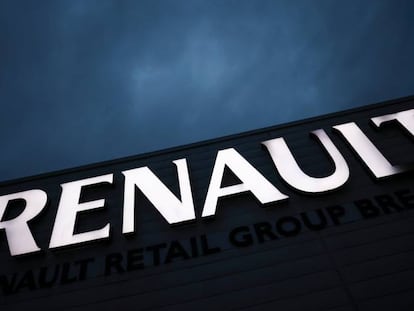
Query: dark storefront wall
point(351, 263)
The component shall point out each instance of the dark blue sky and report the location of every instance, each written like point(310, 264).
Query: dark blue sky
point(86, 81)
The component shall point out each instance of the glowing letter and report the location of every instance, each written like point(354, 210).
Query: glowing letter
point(290, 171)
point(69, 207)
point(366, 150)
point(19, 237)
point(171, 208)
point(251, 180)
point(405, 118)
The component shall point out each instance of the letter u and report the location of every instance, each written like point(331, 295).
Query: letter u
point(290, 171)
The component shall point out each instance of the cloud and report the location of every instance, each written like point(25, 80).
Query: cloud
point(86, 81)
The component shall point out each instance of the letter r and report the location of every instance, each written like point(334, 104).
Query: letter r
point(19, 236)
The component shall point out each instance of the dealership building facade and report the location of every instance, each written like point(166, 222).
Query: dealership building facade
point(311, 215)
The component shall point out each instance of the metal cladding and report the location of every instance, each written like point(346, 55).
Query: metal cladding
point(316, 214)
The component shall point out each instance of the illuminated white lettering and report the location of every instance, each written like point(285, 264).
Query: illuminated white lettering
point(69, 207)
point(405, 118)
point(290, 171)
point(170, 207)
point(19, 236)
point(367, 151)
point(251, 180)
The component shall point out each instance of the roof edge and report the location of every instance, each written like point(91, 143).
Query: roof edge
point(201, 143)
